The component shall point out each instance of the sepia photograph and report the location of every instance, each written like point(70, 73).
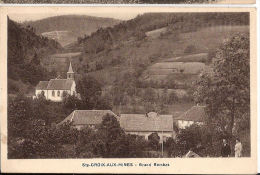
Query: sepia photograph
point(135, 84)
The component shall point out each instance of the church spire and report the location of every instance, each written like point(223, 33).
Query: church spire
point(70, 73)
point(70, 69)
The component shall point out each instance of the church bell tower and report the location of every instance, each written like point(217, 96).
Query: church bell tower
point(70, 73)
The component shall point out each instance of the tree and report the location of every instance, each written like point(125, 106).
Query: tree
point(110, 134)
point(19, 116)
point(170, 146)
point(154, 141)
point(36, 60)
point(226, 89)
point(72, 102)
point(90, 90)
point(190, 49)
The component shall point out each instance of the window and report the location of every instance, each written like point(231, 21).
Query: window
point(58, 93)
point(53, 93)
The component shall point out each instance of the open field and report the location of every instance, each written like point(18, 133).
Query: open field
point(67, 55)
point(63, 37)
point(156, 33)
point(200, 57)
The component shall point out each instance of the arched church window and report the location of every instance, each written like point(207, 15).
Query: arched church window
point(58, 93)
point(53, 93)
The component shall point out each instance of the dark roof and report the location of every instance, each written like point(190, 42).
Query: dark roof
point(87, 117)
point(42, 85)
point(60, 84)
point(143, 122)
point(196, 113)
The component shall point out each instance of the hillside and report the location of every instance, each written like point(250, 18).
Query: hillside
point(126, 46)
point(149, 62)
point(67, 28)
point(26, 51)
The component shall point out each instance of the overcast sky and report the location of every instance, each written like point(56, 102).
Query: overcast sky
point(30, 17)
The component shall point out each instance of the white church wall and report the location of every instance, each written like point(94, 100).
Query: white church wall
point(55, 97)
point(38, 92)
point(73, 88)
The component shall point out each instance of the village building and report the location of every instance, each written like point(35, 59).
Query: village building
point(55, 89)
point(86, 118)
point(195, 115)
point(146, 124)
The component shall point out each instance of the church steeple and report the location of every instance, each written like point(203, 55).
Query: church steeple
point(70, 73)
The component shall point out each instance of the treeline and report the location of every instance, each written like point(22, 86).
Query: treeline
point(78, 25)
point(110, 37)
point(25, 52)
point(31, 135)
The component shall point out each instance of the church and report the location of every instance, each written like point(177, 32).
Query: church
point(55, 89)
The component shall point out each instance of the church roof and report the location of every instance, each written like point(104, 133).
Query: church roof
point(143, 122)
point(70, 69)
point(87, 117)
point(196, 113)
point(42, 85)
point(60, 84)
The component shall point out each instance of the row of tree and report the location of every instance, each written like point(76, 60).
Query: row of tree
point(31, 135)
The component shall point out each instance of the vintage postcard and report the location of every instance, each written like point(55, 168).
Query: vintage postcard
point(128, 90)
point(128, 1)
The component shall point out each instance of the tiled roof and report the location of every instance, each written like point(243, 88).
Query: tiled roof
point(142, 122)
point(42, 85)
point(87, 117)
point(60, 84)
point(196, 113)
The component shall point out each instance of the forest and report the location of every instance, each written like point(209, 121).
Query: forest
point(25, 53)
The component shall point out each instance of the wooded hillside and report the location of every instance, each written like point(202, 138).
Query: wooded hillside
point(25, 52)
point(74, 25)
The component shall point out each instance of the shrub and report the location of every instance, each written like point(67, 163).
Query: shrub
point(190, 49)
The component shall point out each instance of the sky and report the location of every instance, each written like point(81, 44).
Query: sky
point(33, 17)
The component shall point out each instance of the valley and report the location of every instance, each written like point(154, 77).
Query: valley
point(137, 57)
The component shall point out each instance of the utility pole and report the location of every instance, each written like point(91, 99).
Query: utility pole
point(162, 143)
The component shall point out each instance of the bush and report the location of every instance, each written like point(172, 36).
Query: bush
point(154, 140)
point(190, 49)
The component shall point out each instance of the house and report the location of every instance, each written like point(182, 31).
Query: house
point(146, 124)
point(86, 118)
point(195, 115)
point(55, 89)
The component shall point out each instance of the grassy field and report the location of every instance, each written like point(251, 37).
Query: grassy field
point(63, 37)
point(200, 57)
point(163, 49)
